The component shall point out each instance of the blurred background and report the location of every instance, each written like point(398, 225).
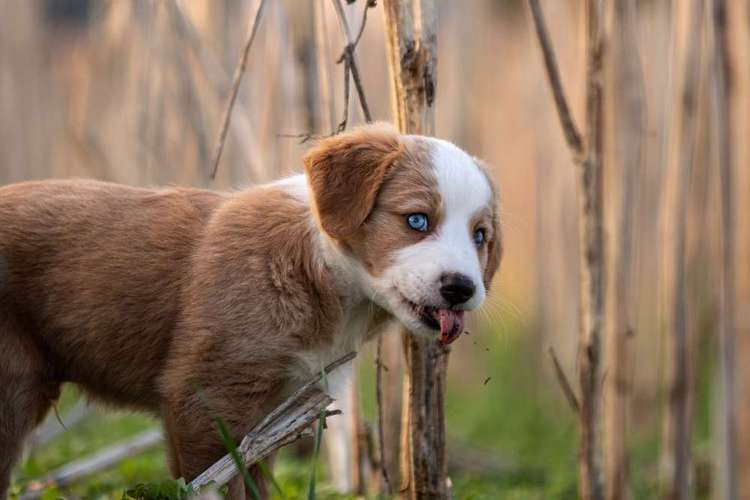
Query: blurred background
point(133, 92)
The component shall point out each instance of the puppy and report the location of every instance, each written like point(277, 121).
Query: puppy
point(139, 296)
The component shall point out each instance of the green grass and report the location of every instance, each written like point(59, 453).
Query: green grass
point(498, 403)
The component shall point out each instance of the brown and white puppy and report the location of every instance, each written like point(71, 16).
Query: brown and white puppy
point(138, 296)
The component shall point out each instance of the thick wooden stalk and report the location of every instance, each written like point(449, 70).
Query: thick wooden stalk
point(412, 57)
point(427, 364)
point(589, 159)
point(412, 54)
point(592, 267)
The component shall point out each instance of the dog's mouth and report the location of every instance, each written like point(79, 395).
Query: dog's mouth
point(449, 322)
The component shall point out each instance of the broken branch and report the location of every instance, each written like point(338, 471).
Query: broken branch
point(289, 422)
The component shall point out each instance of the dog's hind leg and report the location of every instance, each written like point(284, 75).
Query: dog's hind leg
point(26, 394)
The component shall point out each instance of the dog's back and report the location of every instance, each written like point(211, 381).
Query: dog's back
point(90, 280)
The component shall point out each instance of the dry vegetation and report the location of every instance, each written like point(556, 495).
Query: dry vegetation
point(657, 120)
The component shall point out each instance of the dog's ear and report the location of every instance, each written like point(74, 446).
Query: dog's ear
point(494, 250)
point(495, 245)
point(345, 173)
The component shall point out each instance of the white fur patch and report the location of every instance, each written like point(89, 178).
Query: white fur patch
point(416, 272)
point(296, 185)
point(464, 190)
point(349, 338)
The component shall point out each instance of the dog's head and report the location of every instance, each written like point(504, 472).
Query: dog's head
point(417, 219)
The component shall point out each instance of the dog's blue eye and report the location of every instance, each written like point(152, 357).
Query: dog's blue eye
point(417, 222)
point(479, 237)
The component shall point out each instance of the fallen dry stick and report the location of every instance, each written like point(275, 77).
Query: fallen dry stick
point(287, 423)
point(97, 462)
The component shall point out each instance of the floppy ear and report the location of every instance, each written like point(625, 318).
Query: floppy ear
point(494, 250)
point(345, 173)
point(495, 245)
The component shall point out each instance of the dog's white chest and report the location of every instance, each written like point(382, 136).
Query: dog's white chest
point(348, 338)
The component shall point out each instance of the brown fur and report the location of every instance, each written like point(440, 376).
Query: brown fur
point(172, 301)
point(345, 174)
point(95, 293)
point(409, 188)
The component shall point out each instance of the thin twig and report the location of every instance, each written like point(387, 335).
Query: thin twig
point(241, 125)
point(572, 135)
point(350, 63)
point(53, 427)
point(564, 383)
point(381, 434)
point(305, 137)
point(235, 88)
point(342, 125)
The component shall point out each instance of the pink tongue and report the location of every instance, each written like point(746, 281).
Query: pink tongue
point(451, 325)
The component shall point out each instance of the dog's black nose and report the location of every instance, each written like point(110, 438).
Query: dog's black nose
point(456, 288)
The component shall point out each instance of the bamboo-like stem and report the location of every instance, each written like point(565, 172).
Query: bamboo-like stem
point(687, 43)
point(624, 157)
point(722, 86)
point(592, 259)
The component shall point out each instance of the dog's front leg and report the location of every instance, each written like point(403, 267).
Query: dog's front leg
point(193, 435)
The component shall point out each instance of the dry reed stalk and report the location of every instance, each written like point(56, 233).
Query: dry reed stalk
point(412, 54)
point(322, 53)
point(739, 34)
point(724, 110)
point(219, 82)
point(389, 370)
point(387, 487)
point(626, 123)
point(238, 73)
point(588, 156)
point(687, 43)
